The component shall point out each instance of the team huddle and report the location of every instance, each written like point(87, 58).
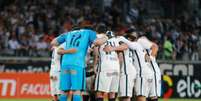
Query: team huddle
point(124, 66)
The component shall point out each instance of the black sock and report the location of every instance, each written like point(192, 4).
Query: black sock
point(154, 100)
point(98, 99)
point(112, 99)
point(85, 97)
point(148, 99)
point(92, 97)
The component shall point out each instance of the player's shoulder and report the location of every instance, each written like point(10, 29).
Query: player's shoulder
point(120, 38)
point(100, 35)
point(142, 38)
point(117, 39)
point(138, 44)
point(113, 39)
point(73, 33)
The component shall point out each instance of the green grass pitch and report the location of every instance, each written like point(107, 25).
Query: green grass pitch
point(50, 100)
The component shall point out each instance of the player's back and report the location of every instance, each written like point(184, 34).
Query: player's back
point(139, 61)
point(109, 60)
point(80, 39)
point(146, 44)
point(127, 67)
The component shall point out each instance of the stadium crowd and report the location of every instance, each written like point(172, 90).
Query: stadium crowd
point(26, 28)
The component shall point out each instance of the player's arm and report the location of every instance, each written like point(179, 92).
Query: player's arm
point(131, 45)
point(59, 40)
point(147, 44)
point(61, 51)
point(54, 42)
point(95, 60)
point(100, 41)
point(97, 40)
point(119, 48)
point(154, 49)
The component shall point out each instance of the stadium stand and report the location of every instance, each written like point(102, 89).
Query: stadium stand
point(27, 26)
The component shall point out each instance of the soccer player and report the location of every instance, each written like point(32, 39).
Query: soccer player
point(108, 70)
point(128, 71)
point(73, 65)
point(54, 74)
point(151, 50)
point(55, 69)
point(88, 94)
point(144, 76)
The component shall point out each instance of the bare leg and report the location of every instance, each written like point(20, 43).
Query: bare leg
point(141, 98)
point(112, 96)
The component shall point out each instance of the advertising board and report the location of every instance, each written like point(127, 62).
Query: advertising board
point(24, 85)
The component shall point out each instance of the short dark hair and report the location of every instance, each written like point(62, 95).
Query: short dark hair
point(101, 28)
point(130, 30)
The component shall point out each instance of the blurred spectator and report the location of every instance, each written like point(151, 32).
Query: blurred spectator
point(168, 48)
point(174, 34)
point(199, 47)
point(13, 44)
point(1, 36)
point(32, 26)
point(24, 43)
point(41, 47)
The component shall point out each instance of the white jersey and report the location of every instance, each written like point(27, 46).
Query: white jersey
point(108, 60)
point(56, 60)
point(127, 67)
point(146, 44)
point(156, 87)
point(100, 35)
point(139, 58)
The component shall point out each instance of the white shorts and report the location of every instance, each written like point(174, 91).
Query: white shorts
point(126, 85)
point(156, 86)
point(107, 81)
point(143, 86)
point(54, 84)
